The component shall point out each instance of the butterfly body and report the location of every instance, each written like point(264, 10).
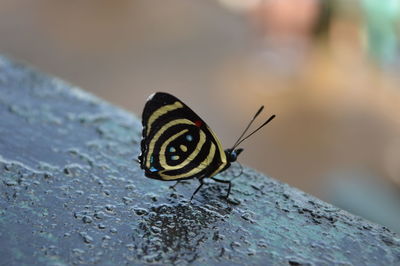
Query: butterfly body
point(177, 144)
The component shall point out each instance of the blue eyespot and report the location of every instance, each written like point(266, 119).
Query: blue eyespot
point(172, 149)
point(151, 159)
point(189, 137)
point(153, 169)
point(175, 157)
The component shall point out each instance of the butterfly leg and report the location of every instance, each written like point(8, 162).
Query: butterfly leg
point(225, 182)
point(197, 189)
point(178, 182)
point(174, 185)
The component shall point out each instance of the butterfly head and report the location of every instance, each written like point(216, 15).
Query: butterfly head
point(232, 154)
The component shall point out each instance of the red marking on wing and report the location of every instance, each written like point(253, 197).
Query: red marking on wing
point(198, 123)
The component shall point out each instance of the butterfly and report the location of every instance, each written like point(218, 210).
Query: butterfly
point(177, 144)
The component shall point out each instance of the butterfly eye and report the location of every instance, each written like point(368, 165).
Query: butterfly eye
point(232, 154)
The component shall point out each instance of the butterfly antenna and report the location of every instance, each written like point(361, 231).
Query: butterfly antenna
point(248, 136)
point(248, 126)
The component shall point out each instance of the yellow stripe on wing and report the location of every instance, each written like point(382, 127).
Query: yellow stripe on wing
point(164, 146)
point(161, 111)
point(190, 158)
point(160, 132)
point(224, 160)
point(218, 170)
point(204, 164)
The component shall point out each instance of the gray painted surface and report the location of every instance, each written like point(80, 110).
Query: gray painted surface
point(71, 193)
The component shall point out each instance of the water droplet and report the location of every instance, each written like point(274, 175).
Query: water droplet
point(109, 207)
point(158, 223)
point(262, 244)
point(235, 244)
point(101, 226)
point(99, 215)
point(86, 237)
point(127, 200)
point(171, 225)
point(67, 171)
point(156, 229)
point(130, 246)
point(47, 176)
point(10, 182)
point(78, 251)
point(87, 219)
point(140, 211)
point(251, 252)
point(218, 236)
point(130, 186)
point(246, 216)
point(233, 201)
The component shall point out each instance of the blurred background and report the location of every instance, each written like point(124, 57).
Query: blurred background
point(328, 69)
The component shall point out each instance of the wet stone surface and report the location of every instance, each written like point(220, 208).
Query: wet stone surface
point(71, 193)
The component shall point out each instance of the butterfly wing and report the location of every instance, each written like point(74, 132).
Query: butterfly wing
point(177, 143)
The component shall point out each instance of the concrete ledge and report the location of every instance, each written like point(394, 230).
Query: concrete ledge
point(70, 193)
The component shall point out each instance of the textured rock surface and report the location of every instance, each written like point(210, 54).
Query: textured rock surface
point(71, 193)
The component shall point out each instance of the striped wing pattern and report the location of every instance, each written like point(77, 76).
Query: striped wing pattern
point(176, 143)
